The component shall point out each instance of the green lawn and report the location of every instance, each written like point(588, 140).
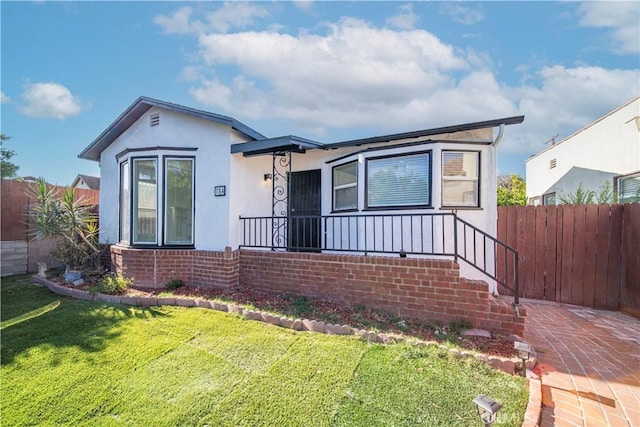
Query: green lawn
point(70, 362)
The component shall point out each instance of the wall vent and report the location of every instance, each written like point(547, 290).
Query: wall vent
point(552, 163)
point(154, 119)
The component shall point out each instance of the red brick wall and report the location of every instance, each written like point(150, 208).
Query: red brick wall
point(421, 288)
point(154, 268)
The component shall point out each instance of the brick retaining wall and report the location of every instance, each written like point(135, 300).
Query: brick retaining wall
point(422, 288)
point(154, 268)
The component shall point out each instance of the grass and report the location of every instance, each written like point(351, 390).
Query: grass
point(71, 362)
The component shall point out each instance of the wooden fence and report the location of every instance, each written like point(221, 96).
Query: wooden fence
point(19, 254)
point(587, 255)
point(16, 202)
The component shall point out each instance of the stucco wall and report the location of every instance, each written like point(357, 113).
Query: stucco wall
point(251, 195)
point(212, 168)
point(610, 146)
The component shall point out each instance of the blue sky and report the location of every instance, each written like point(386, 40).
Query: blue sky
point(327, 71)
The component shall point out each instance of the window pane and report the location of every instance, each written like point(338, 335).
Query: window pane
point(459, 193)
point(460, 178)
point(345, 174)
point(125, 200)
point(346, 198)
point(145, 196)
point(629, 189)
point(345, 186)
point(460, 164)
point(398, 181)
point(179, 199)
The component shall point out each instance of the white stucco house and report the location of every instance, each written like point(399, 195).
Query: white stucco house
point(607, 150)
point(174, 177)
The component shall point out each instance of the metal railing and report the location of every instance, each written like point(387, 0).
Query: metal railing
point(434, 234)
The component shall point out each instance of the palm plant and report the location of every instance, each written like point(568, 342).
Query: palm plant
point(62, 216)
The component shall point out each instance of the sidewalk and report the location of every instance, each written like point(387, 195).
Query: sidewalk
point(589, 362)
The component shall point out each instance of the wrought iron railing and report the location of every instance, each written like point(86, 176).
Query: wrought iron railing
point(434, 234)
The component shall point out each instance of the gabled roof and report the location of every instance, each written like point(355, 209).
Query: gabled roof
point(140, 107)
point(93, 182)
point(297, 144)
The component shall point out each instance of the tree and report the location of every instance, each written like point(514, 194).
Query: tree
point(55, 215)
point(604, 194)
point(8, 169)
point(512, 190)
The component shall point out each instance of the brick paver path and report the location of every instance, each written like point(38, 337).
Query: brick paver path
point(589, 362)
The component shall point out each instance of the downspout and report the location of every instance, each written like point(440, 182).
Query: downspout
point(499, 137)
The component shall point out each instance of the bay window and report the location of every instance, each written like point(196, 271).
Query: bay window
point(157, 201)
point(401, 181)
point(460, 178)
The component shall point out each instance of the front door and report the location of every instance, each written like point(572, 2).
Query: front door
point(304, 211)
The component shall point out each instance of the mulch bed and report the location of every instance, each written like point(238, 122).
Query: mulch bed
point(357, 316)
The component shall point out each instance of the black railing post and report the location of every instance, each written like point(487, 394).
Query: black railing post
point(455, 237)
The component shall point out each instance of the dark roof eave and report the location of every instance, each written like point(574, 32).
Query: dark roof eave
point(428, 132)
point(274, 145)
point(141, 106)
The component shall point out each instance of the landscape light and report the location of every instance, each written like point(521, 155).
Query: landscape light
point(487, 409)
point(524, 351)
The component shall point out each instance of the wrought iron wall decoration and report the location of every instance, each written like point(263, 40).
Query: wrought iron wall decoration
point(280, 197)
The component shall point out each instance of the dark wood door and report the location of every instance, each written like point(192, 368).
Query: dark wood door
point(304, 211)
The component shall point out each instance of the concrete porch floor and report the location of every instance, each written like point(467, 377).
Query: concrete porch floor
point(589, 363)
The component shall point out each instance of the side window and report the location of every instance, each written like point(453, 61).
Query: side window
point(345, 186)
point(460, 179)
point(178, 199)
point(145, 201)
point(125, 203)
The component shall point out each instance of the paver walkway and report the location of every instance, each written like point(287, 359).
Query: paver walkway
point(589, 363)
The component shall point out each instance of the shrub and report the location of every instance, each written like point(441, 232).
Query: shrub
point(113, 284)
point(174, 284)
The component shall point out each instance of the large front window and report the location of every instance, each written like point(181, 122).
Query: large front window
point(157, 201)
point(399, 182)
point(460, 178)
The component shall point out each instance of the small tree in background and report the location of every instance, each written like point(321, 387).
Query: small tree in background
point(604, 194)
point(512, 190)
point(8, 169)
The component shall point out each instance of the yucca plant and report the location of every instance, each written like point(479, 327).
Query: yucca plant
point(58, 214)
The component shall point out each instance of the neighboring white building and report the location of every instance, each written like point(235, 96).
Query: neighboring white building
point(215, 182)
point(607, 150)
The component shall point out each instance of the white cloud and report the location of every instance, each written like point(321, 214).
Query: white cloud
point(178, 23)
point(4, 98)
point(463, 14)
point(620, 17)
point(304, 5)
point(228, 16)
point(50, 100)
point(354, 75)
point(405, 19)
point(563, 100)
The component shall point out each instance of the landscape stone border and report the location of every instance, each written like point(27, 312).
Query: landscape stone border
point(508, 365)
